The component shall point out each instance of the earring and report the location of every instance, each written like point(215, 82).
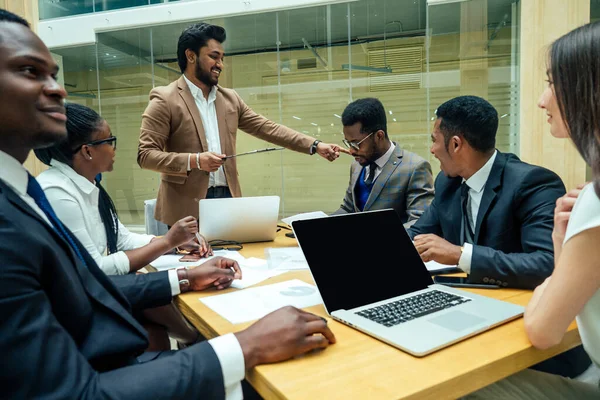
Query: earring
point(90, 158)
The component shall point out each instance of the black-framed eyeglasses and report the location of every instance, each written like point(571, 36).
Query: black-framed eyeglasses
point(355, 145)
point(112, 140)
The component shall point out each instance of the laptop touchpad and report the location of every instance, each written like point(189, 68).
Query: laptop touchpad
point(457, 320)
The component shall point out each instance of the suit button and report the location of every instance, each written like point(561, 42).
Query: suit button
point(486, 279)
point(492, 281)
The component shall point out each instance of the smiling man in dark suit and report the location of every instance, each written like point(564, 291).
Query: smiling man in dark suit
point(492, 214)
point(66, 329)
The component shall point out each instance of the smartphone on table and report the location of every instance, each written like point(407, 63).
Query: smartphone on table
point(462, 282)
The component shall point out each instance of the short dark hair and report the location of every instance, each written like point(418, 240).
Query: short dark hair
point(195, 37)
point(473, 118)
point(575, 73)
point(7, 16)
point(369, 112)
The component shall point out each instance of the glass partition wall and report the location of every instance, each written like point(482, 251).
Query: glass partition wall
point(301, 67)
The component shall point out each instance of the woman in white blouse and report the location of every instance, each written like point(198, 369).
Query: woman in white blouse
point(83, 205)
point(87, 210)
point(572, 105)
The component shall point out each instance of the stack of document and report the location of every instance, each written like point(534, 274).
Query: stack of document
point(303, 216)
point(285, 258)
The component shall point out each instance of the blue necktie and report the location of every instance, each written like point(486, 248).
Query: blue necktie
point(35, 191)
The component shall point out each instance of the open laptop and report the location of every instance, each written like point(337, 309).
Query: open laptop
point(371, 278)
point(241, 219)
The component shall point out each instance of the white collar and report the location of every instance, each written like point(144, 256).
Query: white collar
point(13, 173)
point(478, 180)
point(381, 161)
point(80, 181)
point(197, 92)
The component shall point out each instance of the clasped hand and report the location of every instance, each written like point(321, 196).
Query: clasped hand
point(433, 248)
point(218, 272)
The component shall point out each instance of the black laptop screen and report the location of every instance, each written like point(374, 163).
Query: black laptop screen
point(358, 259)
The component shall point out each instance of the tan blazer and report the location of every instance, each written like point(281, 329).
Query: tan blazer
point(172, 129)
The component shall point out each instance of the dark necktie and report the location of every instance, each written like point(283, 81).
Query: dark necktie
point(468, 236)
point(37, 194)
point(371, 176)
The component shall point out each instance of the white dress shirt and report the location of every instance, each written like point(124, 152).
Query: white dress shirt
point(380, 162)
point(476, 185)
point(227, 347)
point(75, 202)
point(208, 114)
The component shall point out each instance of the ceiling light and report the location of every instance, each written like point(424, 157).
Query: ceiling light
point(394, 119)
point(337, 115)
point(390, 112)
point(313, 124)
point(293, 116)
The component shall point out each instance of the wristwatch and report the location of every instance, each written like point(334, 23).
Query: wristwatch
point(313, 147)
point(184, 282)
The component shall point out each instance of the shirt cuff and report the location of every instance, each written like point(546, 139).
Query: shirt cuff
point(464, 262)
point(230, 355)
point(174, 281)
point(189, 167)
point(121, 263)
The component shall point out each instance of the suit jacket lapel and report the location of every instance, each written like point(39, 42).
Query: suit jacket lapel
point(489, 192)
point(354, 179)
point(190, 102)
point(101, 293)
point(388, 169)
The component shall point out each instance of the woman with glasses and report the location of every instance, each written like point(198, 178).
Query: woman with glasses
point(74, 191)
point(571, 102)
point(73, 188)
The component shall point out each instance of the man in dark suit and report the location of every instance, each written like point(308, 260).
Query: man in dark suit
point(67, 329)
point(492, 214)
point(190, 125)
point(383, 175)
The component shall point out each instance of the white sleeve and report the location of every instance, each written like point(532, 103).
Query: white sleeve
point(585, 214)
point(230, 355)
point(174, 282)
point(128, 240)
point(70, 213)
point(464, 262)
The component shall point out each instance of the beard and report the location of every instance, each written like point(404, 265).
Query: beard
point(204, 76)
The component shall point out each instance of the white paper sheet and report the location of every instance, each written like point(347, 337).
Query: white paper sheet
point(285, 258)
point(251, 276)
point(170, 261)
point(254, 303)
point(433, 266)
point(308, 215)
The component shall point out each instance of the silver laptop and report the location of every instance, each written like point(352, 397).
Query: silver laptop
point(241, 219)
point(371, 278)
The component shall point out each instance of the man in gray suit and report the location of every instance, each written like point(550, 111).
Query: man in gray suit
point(383, 175)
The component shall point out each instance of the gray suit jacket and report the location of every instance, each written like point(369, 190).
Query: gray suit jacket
point(405, 184)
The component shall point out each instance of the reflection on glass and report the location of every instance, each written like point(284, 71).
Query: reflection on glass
point(293, 66)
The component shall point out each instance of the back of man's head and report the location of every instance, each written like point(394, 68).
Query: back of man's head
point(473, 118)
point(194, 37)
point(369, 112)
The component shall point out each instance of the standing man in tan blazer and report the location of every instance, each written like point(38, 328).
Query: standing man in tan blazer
point(190, 125)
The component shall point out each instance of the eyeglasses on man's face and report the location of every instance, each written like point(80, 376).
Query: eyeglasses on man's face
point(355, 145)
point(112, 140)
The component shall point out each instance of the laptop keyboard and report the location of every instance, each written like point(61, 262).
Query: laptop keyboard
point(407, 309)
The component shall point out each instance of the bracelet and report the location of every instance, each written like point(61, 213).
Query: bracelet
point(198, 161)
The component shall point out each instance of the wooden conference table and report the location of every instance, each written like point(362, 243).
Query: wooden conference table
point(360, 367)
